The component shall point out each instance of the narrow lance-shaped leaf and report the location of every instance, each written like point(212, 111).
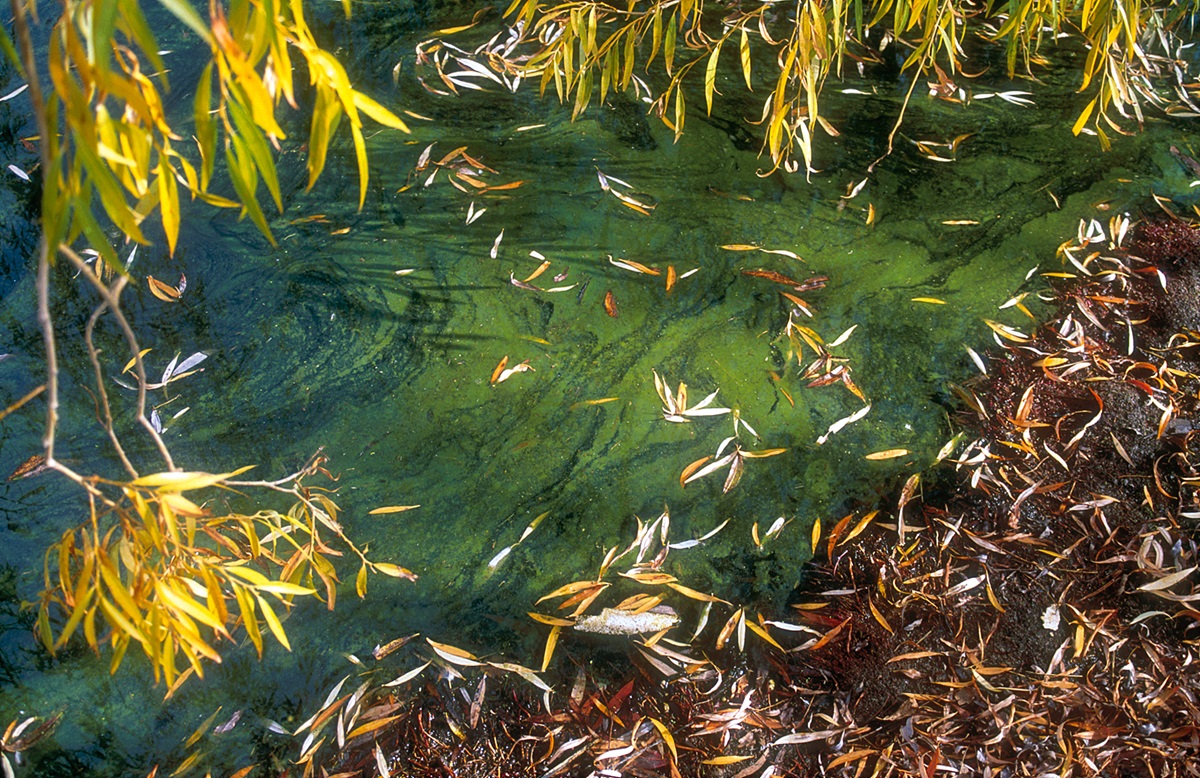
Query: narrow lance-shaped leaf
point(744, 52)
point(710, 76)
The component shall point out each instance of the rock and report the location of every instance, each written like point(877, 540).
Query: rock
point(611, 621)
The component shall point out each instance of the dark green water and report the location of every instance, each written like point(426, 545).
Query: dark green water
point(320, 343)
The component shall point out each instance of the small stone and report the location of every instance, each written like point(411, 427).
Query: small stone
point(611, 621)
point(1051, 618)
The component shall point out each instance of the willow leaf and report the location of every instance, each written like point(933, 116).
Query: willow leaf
point(184, 12)
point(710, 75)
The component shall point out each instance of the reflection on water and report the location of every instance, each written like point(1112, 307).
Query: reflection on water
point(321, 342)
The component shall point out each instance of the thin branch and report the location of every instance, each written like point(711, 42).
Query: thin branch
point(94, 355)
point(22, 401)
point(310, 468)
point(899, 120)
point(45, 323)
point(111, 297)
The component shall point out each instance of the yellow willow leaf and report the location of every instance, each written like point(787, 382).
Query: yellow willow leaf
point(693, 594)
point(118, 622)
point(454, 655)
point(395, 571)
point(727, 630)
point(762, 633)
point(360, 154)
point(378, 112)
point(860, 526)
point(360, 582)
point(651, 579)
point(879, 617)
point(249, 619)
point(129, 365)
point(571, 588)
point(184, 481)
point(1082, 121)
point(724, 760)
point(891, 453)
point(744, 51)
point(929, 300)
point(552, 621)
point(371, 726)
point(710, 75)
point(853, 756)
point(182, 505)
point(830, 635)
point(164, 292)
point(179, 601)
point(205, 126)
point(391, 509)
point(273, 622)
point(666, 736)
point(551, 642)
point(284, 588)
point(816, 534)
point(680, 114)
point(992, 598)
point(168, 203)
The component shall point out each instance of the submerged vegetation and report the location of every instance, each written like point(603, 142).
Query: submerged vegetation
point(1032, 612)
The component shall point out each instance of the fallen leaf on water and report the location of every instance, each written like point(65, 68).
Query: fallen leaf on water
point(959, 222)
point(636, 267)
point(33, 466)
point(164, 292)
point(454, 655)
point(553, 621)
point(740, 247)
point(589, 403)
point(930, 300)
point(771, 275)
point(692, 468)
point(670, 277)
point(891, 453)
point(541, 269)
point(391, 509)
point(504, 375)
point(499, 369)
point(610, 304)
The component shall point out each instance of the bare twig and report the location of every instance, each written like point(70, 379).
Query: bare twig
point(22, 401)
point(111, 297)
point(95, 357)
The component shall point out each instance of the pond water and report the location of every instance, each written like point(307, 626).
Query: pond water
point(321, 342)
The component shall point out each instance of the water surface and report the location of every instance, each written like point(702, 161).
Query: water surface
point(321, 343)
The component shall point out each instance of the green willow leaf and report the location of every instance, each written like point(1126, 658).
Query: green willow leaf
point(184, 12)
point(256, 147)
point(206, 127)
point(245, 183)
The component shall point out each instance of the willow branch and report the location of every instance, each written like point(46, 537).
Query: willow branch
point(94, 355)
point(45, 323)
point(111, 298)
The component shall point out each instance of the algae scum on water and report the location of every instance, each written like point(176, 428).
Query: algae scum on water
point(586, 259)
